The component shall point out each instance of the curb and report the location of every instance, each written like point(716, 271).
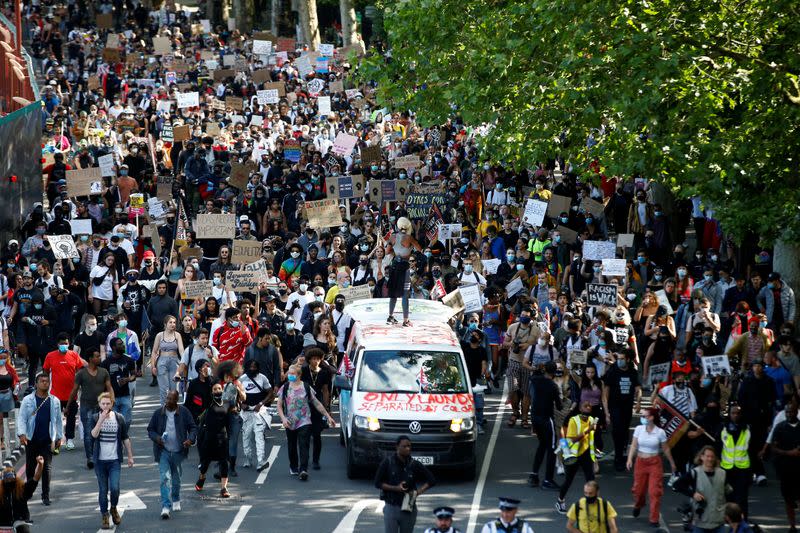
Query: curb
point(15, 456)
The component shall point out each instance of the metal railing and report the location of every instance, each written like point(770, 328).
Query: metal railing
point(26, 56)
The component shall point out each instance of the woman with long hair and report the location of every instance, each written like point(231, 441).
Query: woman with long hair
point(104, 284)
point(186, 331)
point(591, 391)
point(402, 244)
point(166, 354)
point(659, 352)
point(648, 443)
point(186, 306)
point(325, 339)
point(212, 439)
point(234, 394)
point(206, 315)
point(9, 380)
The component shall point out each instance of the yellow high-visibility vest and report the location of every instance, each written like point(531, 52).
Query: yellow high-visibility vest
point(734, 455)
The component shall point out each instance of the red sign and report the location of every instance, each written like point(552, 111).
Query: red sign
point(376, 402)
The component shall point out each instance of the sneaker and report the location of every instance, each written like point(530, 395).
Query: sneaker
point(245, 465)
point(46, 501)
point(533, 480)
point(89, 464)
point(293, 471)
point(105, 523)
point(165, 513)
point(315, 465)
point(561, 507)
point(549, 484)
point(115, 516)
point(481, 431)
point(263, 466)
point(636, 512)
point(761, 480)
point(560, 470)
point(199, 485)
point(70, 444)
point(599, 454)
point(303, 475)
point(176, 506)
point(223, 493)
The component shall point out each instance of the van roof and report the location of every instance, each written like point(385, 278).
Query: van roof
point(375, 311)
point(427, 335)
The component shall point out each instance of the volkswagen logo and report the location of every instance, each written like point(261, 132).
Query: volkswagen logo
point(415, 427)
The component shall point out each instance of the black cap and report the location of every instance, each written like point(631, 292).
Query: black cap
point(506, 504)
point(444, 512)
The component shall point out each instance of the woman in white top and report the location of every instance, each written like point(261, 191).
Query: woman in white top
point(104, 284)
point(647, 444)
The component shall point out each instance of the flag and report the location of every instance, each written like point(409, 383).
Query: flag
point(346, 367)
point(438, 290)
point(431, 224)
point(422, 379)
point(674, 424)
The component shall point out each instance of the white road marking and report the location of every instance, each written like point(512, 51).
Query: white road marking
point(348, 523)
point(239, 518)
point(487, 461)
point(273, 455)
point(130, 501)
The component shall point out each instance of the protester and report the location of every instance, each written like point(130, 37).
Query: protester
point(91, 380)
point(592, 512)
point(14, 496)
point(649, 441)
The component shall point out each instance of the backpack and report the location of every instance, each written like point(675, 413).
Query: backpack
point(285, 391)
point(578, 511)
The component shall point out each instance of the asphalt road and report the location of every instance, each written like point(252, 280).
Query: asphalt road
point(329, 502)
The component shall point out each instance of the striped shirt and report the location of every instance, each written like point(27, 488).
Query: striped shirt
point(108, 439)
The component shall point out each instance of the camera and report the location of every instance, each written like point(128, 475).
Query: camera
point(515, 346)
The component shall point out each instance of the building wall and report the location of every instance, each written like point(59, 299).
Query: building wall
point(20, 155)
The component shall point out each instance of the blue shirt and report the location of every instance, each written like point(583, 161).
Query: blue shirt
point(41, 431)
point(782, 377)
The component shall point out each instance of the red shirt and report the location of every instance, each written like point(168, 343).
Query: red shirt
point(231, 342)
point(62, 368)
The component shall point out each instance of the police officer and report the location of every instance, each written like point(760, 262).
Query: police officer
point(444, 521)
point(507, 522)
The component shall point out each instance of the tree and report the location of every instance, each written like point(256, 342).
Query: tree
point(347, 11)
point(700, 95)
point(309, 25)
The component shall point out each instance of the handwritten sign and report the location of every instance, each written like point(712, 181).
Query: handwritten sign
point(716, 365)
point(197, 289)
point(267, 96)
point(569, 236)
point(303, 65)
point(263, 48)
point(245, 251)
point(344, 144)
point(625, 240)
point(658, 373)
point(663, 299)
point(471, 295)
point(336, 87)
point(613, 267)
point(63, 246)
point(82, 182)
point(162, 46)
point(237, 104)
point(242, 281)
point(323, 213)
point(370, 154)
point(216, 226)
point(326, 49)
point(106, 163)
point(181, 133)
point(407, 162)
point(600, 294)
point(324, 106)
point(353, 294)
point(490, 266)
point(535, 211)
point(419, 205)
point(81, 226)
point(188, 100)
point(398, 402)
point(454, 300)
point(514, 286)
point(599, 250)
point(578, 357)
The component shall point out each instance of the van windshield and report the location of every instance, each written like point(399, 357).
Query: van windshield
point(412, 372)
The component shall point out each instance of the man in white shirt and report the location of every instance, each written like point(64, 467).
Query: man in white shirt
point(342, 322)
point(299, 299)
point(200, 349)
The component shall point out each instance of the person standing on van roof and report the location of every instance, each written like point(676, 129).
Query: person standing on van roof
point(402, 245)
point(398, 477)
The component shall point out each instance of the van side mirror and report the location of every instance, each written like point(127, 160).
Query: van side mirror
point(342, 383)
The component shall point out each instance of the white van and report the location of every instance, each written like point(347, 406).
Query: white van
point(406, 381)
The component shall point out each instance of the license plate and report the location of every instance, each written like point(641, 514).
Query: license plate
point(425, 459)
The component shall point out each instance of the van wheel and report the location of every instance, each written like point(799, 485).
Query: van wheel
point(353, 470)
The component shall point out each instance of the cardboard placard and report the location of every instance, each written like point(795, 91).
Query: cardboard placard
point(261, 75)
point(593, 207)
point(197, 289)
point(408, 162)
point(240, 174)
point(599, 250)
point(164, 188)
point(326, 49)
point(216, 226)
point(625, 240)
point(63, 246)
point(106, 163)
point(345, 186)
point(223, 74)
point(568, 235)
point(535, 211)
point(577, 357)
point(336, 87)
point(245, 252)
point(242, 281)
point(187, 252)
point(658, 373)
point(212, 129)
point(81, 226)
point(601, 294)
point(490, 266)
point(716, 365)
point(353, 294)
point(162, 46)
point(111, 55)
point(663, 299)
point(105, 21)
point(285, 44)
point(471, 295)
point(84, 182)
point(155, 240)
point(514, 286)
point(237, 104)
point(181, 133)
point(343, 144)
point(370, 154)
point(614, 267)
point(323, 213)
point(454, 300)
point(276, 86)
point(557, 205)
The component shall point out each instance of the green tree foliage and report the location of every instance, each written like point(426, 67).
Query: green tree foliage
point(702, 95)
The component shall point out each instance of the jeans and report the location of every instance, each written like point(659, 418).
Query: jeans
point(69, 429)
point(479, 402)
point(166, 367)
point(234, 429)
point(86, 422)
point(170, 470)
point(123, 405)
point(298, 438)
point(32, 450)
point(107, 473)
point(397, 521)
point(648, 479)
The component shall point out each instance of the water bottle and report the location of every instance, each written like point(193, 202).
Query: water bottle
point(164, 436)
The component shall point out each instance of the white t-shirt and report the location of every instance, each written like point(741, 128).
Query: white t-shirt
point(104, 291)
point(649, 441)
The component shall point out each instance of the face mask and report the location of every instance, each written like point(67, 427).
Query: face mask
point(472, 326)
point(331, 281)
point(525, 320)
point(303, 287)
point(374, 168)
point(681, 273)
point(708, 278)
point(295, 255)
point(40, 231)
point(343, 229)
point(217, 281)
point(292, 378)
point(123, 324)
point(437, 273)
point(621, 363)
point(762, 324)
point(217, 396)
point(596, 269)
point(339, 306)
point(91, 329)
point(520, 266)
point(235, 324)
point(643, 420)
point(770, 285)
point(37, 306)
point(63, 348)
point(564, 220)
point(680, 384)
point(542, 343)
point(589, 220)
point(706, 382)
point(364, 247)
point(510, 258)
point(467, 269)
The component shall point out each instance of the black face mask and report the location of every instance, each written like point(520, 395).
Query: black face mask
point(217, 396)
point(339, 306)
point(251, 373)
point(591, 499)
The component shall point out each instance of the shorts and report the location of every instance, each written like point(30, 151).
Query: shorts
point(790, 488)
point(517, 377)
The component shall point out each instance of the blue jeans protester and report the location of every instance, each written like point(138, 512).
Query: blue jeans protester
point(170, 470)
point(107, 473)
point(86, 413)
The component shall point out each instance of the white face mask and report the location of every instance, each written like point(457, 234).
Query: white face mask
point(91, 329)
point(542, 342)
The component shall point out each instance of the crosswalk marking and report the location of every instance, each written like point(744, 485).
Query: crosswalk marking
point(273, 455)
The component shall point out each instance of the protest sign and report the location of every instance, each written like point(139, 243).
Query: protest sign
point(256, 120)
point(370, 154)
point(345, 186)
point(418, 205)
point(164, 188)
point(224, 73)
point(323, 213)
point(137, 204)
point(407, 162)
point(181, 133)
point(577, 357)
point(490, 266)
point(514, 286)
point(277, 86)
point(303, 66)
point(167, 132)
point(454, 300)
point(534, 212)
point(259, 267)
point(212, 129)
point(664, 300)
point(658, 373)
point(286, 44)
point(323, 106)
point(613, 267)
point(716, 365)
point(336, 87)
point(106, 163)
point(186, 100)
point(83, 182)
point(352, 294)
point(262, 75)
point(593, 207)
point(267, 96)
point(105, 21)
point(344, 144)
point(242, 281)
point(326, 49)
point(81, 226)
point(431, 224)
point(671, 421)
point(216, 226)
point(111, 55)
point(162, 46)
point(63, 246)
point(625, 240)
point(235, 103)
point(599, 250)
point(265, 36)
point(262, 47)
point(155, 208)
point(197, 289)
point(471, 294)
point(557, 205)
point(601, 294)
point(291, 150)
point(245, 252)
point(155, 240)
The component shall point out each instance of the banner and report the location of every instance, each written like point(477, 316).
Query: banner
point(672, 421)
point(63, 246)
point(600, 294)
point(245, 252)
point(323, 214)
point(216, 226)
point(418, 205)
point(599, 250)
point(242, 281)
point(84, 182)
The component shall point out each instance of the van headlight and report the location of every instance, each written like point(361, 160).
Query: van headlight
point(458, 425)
point(368, 423)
